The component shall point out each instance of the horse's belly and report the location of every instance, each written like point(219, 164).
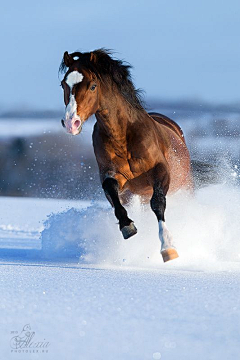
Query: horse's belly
point(139, 186)
point(180, 177)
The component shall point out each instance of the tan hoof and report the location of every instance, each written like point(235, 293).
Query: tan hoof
point(169, 254)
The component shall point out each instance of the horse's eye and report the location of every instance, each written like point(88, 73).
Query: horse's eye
point(93, 87)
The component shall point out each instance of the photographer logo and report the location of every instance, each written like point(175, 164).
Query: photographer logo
point(26, 342)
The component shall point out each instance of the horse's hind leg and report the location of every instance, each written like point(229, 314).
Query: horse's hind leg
point(158, 205)
point(127, 227)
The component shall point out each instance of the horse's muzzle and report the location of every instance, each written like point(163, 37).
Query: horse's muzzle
point(72, 125)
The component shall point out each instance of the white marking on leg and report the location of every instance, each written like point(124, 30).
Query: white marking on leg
point(165, 236)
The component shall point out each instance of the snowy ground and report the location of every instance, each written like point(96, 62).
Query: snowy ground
point(71, 287)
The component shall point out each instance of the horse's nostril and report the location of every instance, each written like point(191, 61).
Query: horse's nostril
point(77, 123)
point(62, 121)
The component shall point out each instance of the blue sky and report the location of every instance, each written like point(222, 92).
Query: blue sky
point(181, 49)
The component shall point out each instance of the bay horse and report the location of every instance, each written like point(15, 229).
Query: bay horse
point(136, 152)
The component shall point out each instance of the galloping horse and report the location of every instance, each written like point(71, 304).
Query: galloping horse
point(136, 152)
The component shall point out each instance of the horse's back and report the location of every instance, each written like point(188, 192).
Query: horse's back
point(166, 121)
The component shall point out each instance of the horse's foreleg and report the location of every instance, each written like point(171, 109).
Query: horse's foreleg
point(158, 205)
point(127, 227)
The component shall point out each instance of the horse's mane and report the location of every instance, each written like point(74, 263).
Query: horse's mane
point(106, 68)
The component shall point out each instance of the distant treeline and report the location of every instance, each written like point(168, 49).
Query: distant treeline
point(186, 106)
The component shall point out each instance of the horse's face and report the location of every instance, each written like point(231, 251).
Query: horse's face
point(81, 97)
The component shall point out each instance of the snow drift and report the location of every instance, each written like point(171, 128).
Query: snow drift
point(205, 227)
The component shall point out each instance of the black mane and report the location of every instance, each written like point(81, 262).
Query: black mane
point(101, 63)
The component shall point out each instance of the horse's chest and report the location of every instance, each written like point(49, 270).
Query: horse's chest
point(129, 166)
point(136, 165)
point(142, 158)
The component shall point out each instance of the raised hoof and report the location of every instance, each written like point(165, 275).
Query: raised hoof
point(169, 254)
point(129, 230)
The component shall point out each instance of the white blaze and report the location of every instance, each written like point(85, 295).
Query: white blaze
point(165, 236)
point(73, 78)
point(71, 109)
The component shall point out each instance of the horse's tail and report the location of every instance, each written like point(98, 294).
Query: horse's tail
point(204, 173)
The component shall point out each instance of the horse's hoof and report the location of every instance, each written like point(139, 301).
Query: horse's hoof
point(169, 254)
point(129, 230)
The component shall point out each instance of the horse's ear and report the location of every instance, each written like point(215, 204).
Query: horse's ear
point(93, 57)
point(68, 59)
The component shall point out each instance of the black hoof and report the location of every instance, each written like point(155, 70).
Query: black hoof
point(129, 230)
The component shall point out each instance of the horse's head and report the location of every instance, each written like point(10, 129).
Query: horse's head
point(81, 92)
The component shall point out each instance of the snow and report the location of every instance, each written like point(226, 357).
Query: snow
point(90, 294)
point(35, 127)
point(67, 273)
point(28, 127)
point(93, 313)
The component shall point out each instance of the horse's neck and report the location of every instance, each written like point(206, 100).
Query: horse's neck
point(114, 115)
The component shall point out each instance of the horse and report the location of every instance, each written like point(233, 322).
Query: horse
point(137, 152)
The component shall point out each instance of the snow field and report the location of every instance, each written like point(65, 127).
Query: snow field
point(205, 229)
point(92, 295)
